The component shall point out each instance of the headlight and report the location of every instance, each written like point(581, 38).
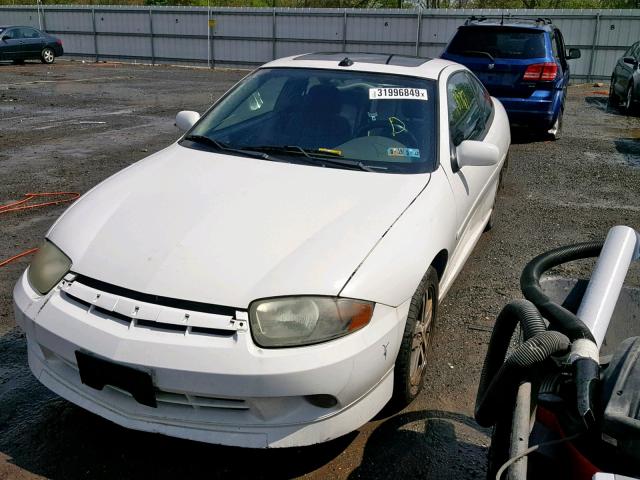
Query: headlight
point(296, 321)
point(48, 267)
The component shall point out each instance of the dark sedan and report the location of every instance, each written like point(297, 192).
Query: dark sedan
point(625, 81)
point(23, 43)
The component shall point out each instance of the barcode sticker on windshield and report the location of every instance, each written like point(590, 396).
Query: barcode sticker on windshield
point(397, 93)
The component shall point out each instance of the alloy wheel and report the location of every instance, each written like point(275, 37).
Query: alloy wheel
point(422, 334)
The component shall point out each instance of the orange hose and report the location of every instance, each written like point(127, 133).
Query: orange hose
point(20, 205)
point(16, 257)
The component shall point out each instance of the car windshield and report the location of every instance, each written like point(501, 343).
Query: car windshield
point(499, 42)
point(339, 119)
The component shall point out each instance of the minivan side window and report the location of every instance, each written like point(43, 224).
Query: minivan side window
point(466, 114)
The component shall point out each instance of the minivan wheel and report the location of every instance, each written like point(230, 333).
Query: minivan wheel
point(47, 56)
point(555, 131)
point(416, 343)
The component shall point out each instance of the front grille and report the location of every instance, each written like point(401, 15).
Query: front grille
point(145, 315)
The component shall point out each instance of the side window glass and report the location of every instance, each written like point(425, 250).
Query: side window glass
point(262, 101)
point(484, 100)
point(11, 34)
point(636, 52)
point(29, 33)
point(466, 119)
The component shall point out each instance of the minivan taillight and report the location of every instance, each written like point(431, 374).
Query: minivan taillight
point(58, 41)
point(541, 71)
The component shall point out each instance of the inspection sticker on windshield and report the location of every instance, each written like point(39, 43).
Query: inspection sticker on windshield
point(384, 93)
point(403, 152)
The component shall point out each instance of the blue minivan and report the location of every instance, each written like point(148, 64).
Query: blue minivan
point(523, 63)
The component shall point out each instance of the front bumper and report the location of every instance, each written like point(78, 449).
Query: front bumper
point(213, 388)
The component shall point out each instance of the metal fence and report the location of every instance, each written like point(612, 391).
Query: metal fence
point(252, 36)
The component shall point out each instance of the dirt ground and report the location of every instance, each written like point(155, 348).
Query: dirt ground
point(68, 126)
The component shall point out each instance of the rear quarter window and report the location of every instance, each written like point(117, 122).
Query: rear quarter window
point(500, 42)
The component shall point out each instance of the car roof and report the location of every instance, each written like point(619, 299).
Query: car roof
point(530, 23)
point(17, 26)
point(366, 62)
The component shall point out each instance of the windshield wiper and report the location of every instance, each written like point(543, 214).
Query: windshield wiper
point(314, 155)
point(203, 139)
point(481, 53)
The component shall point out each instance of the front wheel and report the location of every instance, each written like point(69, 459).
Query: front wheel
point(614, 101)
point(419, 330)
point(629, 106)
point(47, 56)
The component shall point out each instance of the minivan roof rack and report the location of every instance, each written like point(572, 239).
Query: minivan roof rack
point(502, 19)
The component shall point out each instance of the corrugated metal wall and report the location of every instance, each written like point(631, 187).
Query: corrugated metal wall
point(251, 36)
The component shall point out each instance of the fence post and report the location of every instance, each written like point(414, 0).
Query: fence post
point(153, 48)
point(344, 31)
point(418, 32)
point(95, 34)
point(273, 33)
point(594, 43)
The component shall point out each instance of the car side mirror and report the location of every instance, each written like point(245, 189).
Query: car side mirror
point(186, 119)
point(477, 154)
point(574, 53)
point(630, 61)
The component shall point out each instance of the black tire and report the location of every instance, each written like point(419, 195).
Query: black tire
point(555, 132)
point(409, 372)
point(614, 101)
point(629, 106)
point(47, 56)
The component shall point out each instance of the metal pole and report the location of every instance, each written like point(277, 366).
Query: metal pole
point(344, 31)
point(208, 34)
point(153, 50)
point(39, 17)
point(596, 35)
point(95, 34)
point(273, 33)
point(44, 19)
point(418, 33)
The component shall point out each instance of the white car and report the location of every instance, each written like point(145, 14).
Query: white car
point(272, 279)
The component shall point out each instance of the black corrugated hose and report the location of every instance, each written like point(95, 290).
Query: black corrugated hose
point(500, 379)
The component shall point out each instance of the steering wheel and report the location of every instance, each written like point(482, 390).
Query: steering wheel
point(385, 124)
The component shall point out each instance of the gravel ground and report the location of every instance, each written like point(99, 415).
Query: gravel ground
point(69, 126)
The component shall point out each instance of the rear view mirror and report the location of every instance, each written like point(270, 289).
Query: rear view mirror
point(574, 53)
point(186, 119)
point(630, 61)
point(479, 154)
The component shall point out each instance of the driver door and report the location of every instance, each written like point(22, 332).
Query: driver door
point(10, 44)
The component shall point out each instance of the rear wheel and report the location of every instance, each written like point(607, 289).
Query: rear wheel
point(416, 343)
point(555, 131)
point(47, 56)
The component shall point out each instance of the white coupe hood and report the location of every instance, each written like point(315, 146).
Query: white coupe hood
point(226, 230)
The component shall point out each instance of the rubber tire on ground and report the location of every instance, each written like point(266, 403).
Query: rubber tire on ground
point(403, 392)
point(629, 107)
point(614, 101)
point(47, 56)
point(558, 122)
